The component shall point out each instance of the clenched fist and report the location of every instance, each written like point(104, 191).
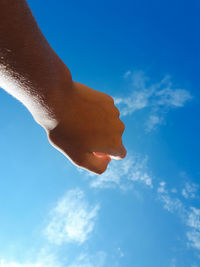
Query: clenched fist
point(89, 129)
point(82, 123)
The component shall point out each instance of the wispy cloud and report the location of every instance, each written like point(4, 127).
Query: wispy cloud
point(172, 204)
point(72, 219)
point(120, 252)
point(193, 222)
point(50, 258)
point(190, 216)
point(153, 121)
point(158, 97)
point(173, 262)
point(126, 74)
point(124, 174)
point(189, 191)
point(47, 261)
point(4, 263)
point(85, 260)
point(162, 188)
point(171, 97)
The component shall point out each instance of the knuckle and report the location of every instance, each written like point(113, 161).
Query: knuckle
point(99, 171)
point(122, 126)
point(119, 127)
point(117, 147)
point(109, 98)
point(116, 141)
point(124, 153)
point(116, 111)
point(121, 152)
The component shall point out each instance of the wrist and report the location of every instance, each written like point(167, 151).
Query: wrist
point(53, 94)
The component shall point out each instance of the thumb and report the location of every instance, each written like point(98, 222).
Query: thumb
point(96, 163)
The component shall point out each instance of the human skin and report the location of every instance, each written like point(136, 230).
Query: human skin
point(80, 122)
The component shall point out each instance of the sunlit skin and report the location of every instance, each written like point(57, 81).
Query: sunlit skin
point(80, 122)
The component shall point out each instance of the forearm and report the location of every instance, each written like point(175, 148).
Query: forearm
point(29, 68)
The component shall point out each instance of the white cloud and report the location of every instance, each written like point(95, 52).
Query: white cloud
point(194, 218)
point(120, 252)
point(193, 222)
point(124, 174)
point(172, 97)
point(153, 121)
point(173, 263)
point(161, 188)
point(172, 204)
point(190, 215)
point(174, 190)
point(126, 74)
point(194, 239)
point(158, 97)
point(85, 260)
point(72, 220)
point(139, 80)
point(43, 259)
point(16, 264)
point(137, 101)
point(46, 261)
point(138, 172)
point(189, 190)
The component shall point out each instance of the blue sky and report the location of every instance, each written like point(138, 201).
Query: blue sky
point(145, 210)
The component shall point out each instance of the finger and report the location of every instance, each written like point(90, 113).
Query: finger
point(95, 163)
point(100, 154)
point(116, 111)
point(121, 126)
point(109, 98)
point(118, 153)
point(115, 149)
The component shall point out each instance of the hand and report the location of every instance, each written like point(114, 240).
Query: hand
point(89, 130)
point(79, 121)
